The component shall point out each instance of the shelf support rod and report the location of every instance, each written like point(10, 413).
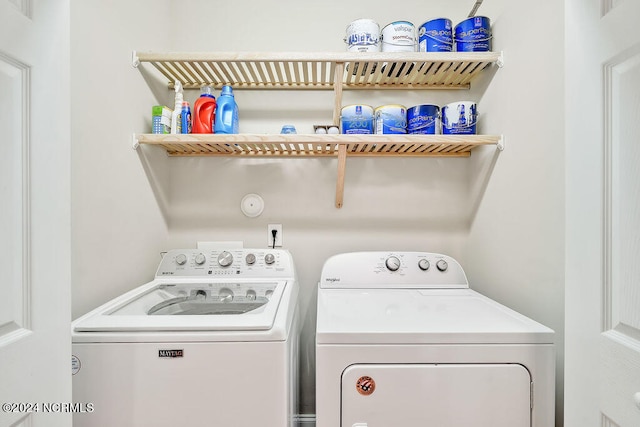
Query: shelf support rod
point(342, 162)
point(337, 91)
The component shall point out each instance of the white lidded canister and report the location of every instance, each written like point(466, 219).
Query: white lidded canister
point(363, 35)
point(399, 36)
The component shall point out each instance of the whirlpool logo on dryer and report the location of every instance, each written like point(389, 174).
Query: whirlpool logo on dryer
point(170, 354)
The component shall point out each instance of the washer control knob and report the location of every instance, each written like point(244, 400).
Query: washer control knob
point(200, 259)
point(423, 264)
point(442, 265)
point(225, 259)
point(269, 259)
point(251, 295)
point(250, 259)
point(181, 259)
point(226, 295)
point(392, 263)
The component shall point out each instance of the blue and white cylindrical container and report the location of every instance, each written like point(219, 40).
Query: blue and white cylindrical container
point(356, 119)
point(459, 118)
point(473, 35)
point(423, 119)
point(363, 35)
point(391, 119)
point(436, 36)
point(399, 36)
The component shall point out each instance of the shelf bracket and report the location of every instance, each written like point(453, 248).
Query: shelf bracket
point(135, 143)
point(500, 60)
point(342, 161)
point(500, 143)
point(135, 60)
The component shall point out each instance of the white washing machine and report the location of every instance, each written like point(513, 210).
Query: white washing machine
point(402, 341)
point(211, 341)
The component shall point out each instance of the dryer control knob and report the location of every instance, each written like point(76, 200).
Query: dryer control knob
point(250, 259)
point(442, 265)
point(225, 259)
point(200, 259)
point(424, 264)
point(269, 259)
point(181, 259)
point(392, 263)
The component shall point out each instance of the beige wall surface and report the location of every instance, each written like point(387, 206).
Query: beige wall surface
point(501, 215)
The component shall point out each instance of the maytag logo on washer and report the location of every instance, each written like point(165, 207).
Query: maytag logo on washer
point(170, 353)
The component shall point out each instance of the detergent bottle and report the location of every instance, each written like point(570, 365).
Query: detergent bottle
point(226, 112)
point(204, 111)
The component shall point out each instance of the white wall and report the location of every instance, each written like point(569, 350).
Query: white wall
point(496, 213)
point(514, 251)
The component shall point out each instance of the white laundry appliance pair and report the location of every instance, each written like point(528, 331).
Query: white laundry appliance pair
point(211, 341)
point(402, 341)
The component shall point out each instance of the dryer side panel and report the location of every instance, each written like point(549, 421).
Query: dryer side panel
point(443, 395)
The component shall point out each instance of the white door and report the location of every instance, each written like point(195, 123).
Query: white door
point(443, 395)
point(603, 214)
point(35, 348)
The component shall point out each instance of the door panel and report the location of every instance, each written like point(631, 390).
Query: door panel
point(35, 344)
point(603, 214)
point(443, 395)
point(620, 342)
point(14, 193)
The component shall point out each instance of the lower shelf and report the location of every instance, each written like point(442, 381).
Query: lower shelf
point(304, 146)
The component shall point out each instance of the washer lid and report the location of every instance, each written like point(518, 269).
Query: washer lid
point(421, 316)
point(188, 306)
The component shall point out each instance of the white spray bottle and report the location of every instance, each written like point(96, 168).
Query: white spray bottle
point(177, 108)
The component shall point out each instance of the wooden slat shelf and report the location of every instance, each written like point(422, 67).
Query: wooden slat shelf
point(301, 70)
point(299, 145)
point(308, 146)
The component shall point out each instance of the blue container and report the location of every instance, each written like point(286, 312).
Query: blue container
point(473, 35)
point(391, 119)
point(459, 118)
point(436, 36)
point(288, 129)
point(226, 112)
point(356, 119)
point(423, 119)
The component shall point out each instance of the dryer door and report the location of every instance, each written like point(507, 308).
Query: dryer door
point(443, 395)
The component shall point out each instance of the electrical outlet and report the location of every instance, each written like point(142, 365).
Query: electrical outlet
point(278, 228)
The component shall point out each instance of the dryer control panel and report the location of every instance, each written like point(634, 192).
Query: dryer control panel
point(393, 270)
point(239, 263)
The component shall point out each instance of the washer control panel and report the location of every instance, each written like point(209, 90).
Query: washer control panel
point(245, 263)
point(392, 270)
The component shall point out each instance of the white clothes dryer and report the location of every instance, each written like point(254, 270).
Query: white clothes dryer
point(212, 340)
point(402, 341)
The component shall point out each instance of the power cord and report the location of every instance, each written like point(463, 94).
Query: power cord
point(274, 233)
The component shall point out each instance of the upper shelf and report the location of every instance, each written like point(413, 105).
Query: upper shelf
point(300, 70)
